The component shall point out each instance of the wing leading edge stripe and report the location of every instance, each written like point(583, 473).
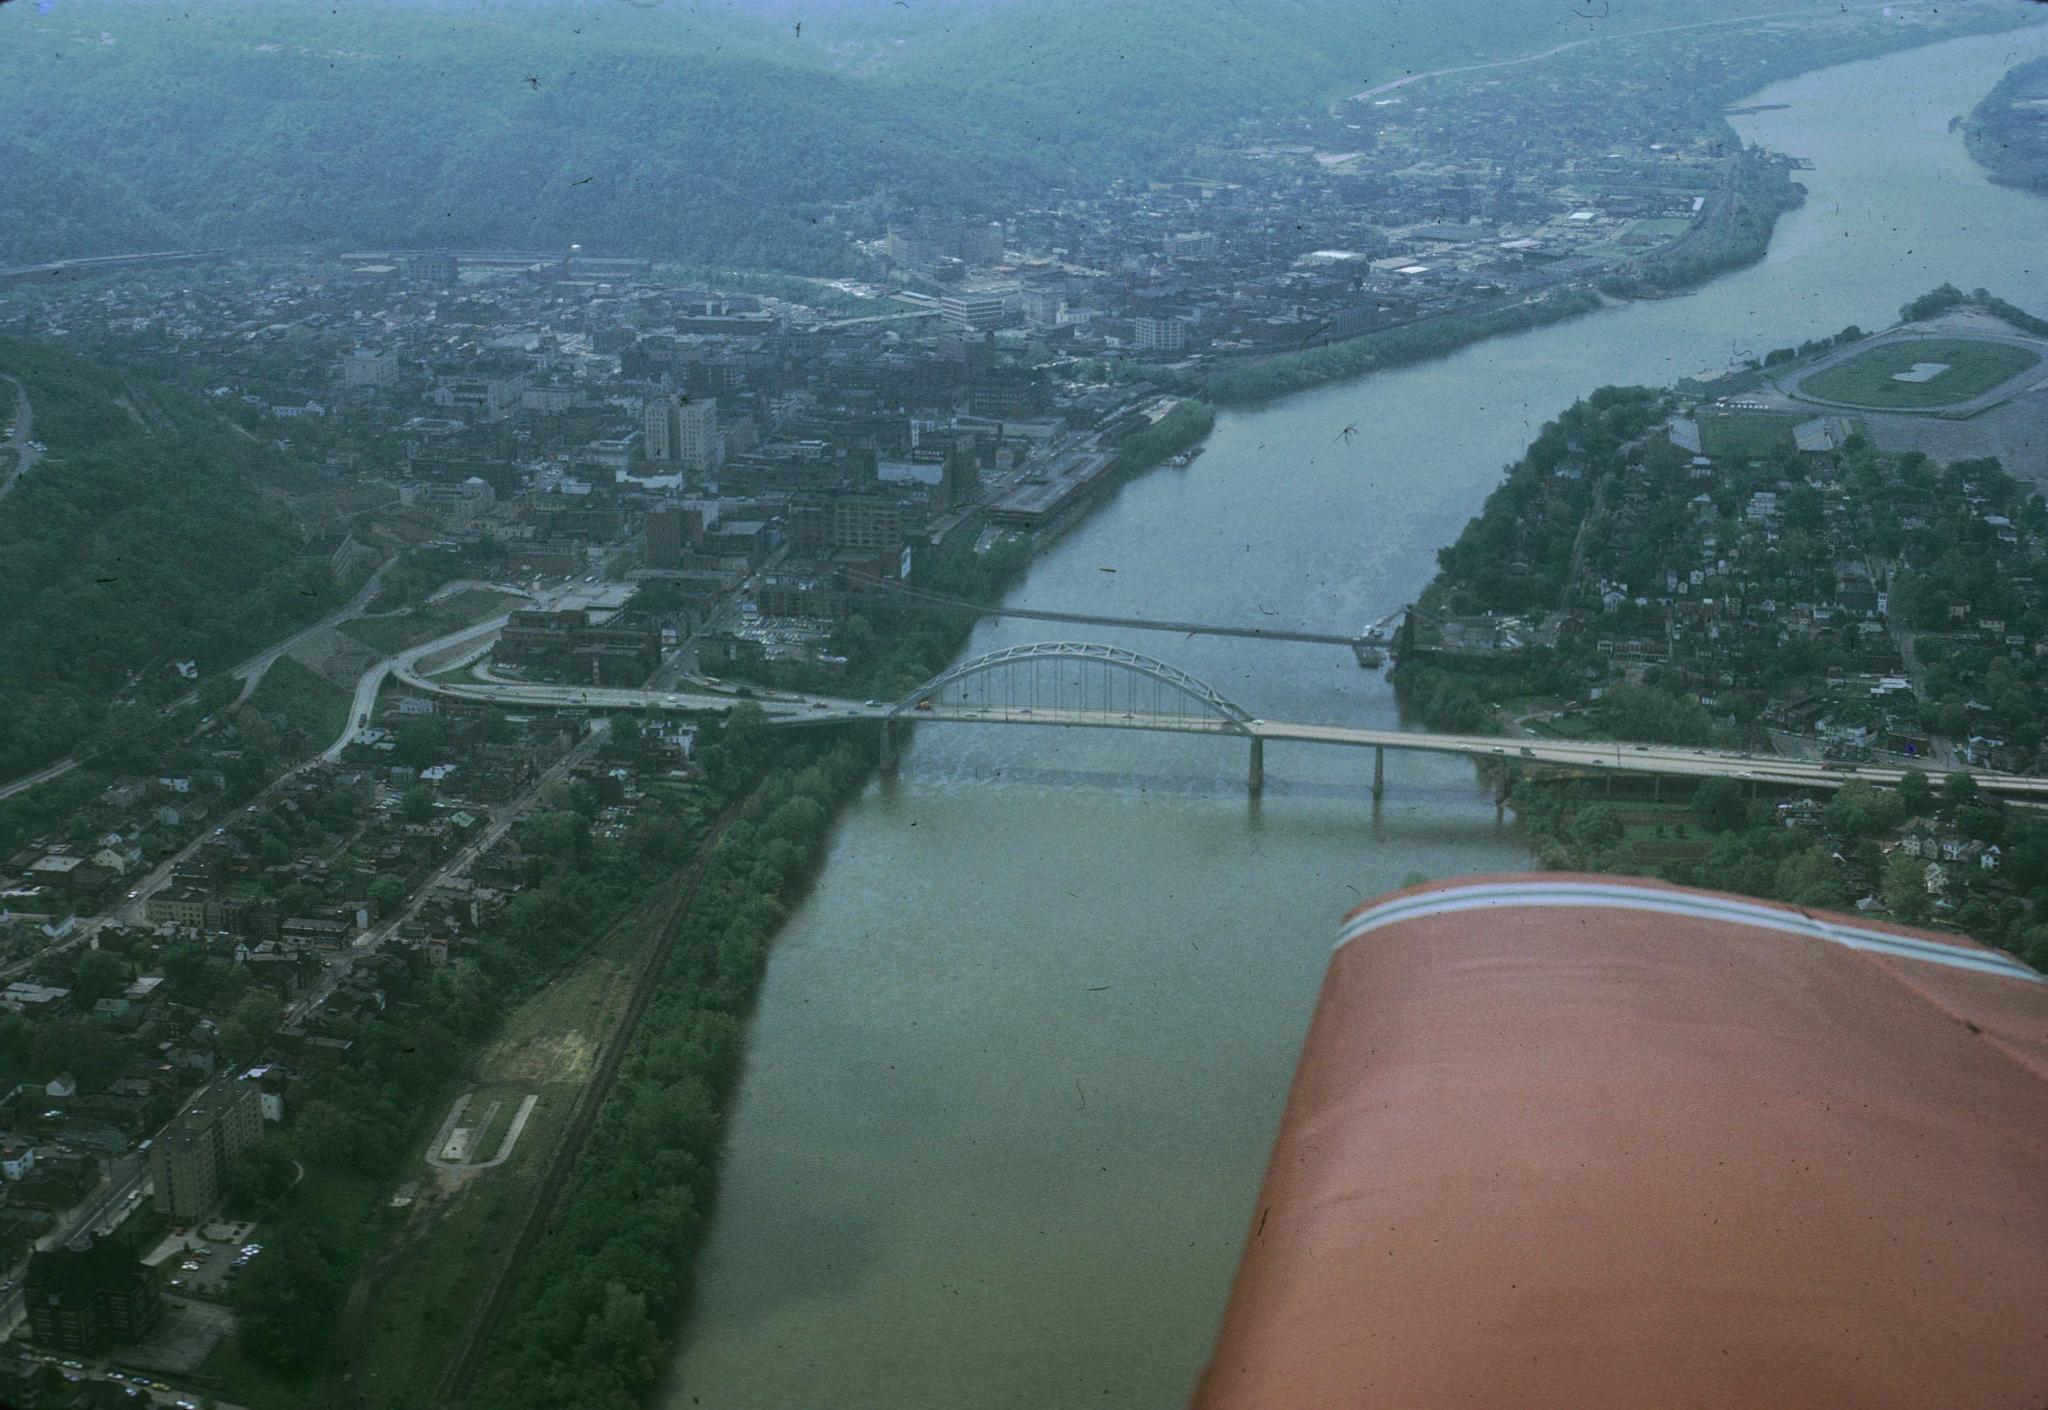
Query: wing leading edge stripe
point(1487, 896)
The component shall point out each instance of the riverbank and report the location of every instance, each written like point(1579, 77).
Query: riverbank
point(583, 1321)
point(1733, 230)
point(2007, 133)
point(1266, 379)
point(1599, 594)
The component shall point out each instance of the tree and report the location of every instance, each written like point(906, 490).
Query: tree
point(325, 1134)
point(1596, 826)
point(1809, 878)
point(1905, 888)
point(1958, 789)
point(98, 976)
point(1718, 804)
point(1861, 809)
point(286, 1300)
point(418, 804)
point(217, 690)
point(420, 742)
point(2032, 946)
point(387, 894)
point(1915, 792)
point(1643, 712)
point(261, 1173)
point(254, 1019)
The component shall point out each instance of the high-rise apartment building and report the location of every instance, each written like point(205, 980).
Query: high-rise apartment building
point(190, 1161)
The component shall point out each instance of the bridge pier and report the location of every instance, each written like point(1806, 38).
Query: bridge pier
point(1379, 772)
point(1257, 778)
point(888, 747)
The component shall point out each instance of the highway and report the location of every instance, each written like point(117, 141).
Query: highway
point(365, 702)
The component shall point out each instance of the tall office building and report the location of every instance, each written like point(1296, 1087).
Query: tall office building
point(657, 433)
point(1161, 334)
point(697, 443)
point(682, 430)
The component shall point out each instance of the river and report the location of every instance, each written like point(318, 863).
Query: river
point(1019, 1056)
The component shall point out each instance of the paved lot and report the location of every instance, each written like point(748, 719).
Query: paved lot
point(183, 1339)
point(215, 1276)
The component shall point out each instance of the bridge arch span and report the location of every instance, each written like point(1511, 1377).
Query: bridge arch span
point(1113, 660)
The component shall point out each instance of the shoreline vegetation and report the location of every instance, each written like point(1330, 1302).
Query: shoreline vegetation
point(2007, 133)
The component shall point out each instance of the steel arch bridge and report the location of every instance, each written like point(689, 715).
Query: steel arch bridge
point(1078, 683)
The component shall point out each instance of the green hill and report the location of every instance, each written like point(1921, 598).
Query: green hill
point(145, 536)
point(704, 131)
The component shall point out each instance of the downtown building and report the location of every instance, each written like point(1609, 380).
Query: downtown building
point(682, 431)
point(87, 1300)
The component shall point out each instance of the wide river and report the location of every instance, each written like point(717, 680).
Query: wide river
point(1019, 1056)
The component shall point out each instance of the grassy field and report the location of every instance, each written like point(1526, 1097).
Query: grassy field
point(1974, 366)
point(1746, 435)
point(255, 1384)
point(428, 1282)
point(494, 1106)
point(451, 614)
point(311, 702)
point(1661, 227)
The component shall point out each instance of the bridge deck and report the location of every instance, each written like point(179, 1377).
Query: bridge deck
point(939, 602)
point(799, 711)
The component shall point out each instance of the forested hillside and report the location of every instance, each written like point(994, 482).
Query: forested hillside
point(708, 130)
point(141, 539)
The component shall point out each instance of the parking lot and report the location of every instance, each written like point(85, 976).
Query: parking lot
point(213, 1259)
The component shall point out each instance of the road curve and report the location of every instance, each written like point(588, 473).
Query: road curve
point(25, 454)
